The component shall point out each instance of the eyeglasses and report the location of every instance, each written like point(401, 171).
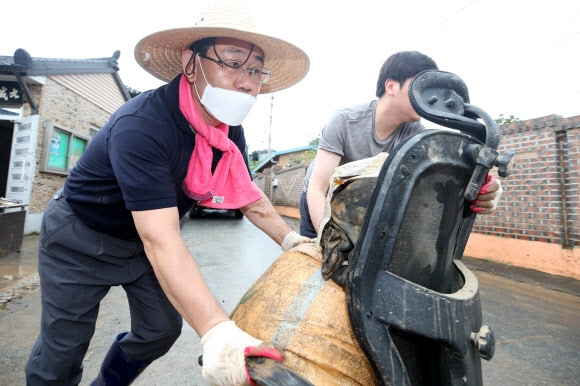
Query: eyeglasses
point(233, 67)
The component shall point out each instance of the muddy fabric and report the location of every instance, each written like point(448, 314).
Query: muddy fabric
point(347, 202)
point(349, 206)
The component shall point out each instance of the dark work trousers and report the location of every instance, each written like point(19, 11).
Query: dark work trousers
point(306, 227)
point(77, 267)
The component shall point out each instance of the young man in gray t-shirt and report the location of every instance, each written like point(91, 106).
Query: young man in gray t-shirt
point(365, 130)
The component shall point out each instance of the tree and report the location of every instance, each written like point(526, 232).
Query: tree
point(314, 142)
point(304, 158)
point(504, 121)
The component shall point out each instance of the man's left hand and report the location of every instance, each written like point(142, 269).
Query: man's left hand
point(488, 197)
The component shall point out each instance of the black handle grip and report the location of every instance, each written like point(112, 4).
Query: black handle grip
point(268, 372)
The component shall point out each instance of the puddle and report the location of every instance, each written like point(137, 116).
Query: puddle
point(19, 265)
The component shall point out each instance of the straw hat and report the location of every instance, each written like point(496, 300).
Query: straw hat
point(160, 53)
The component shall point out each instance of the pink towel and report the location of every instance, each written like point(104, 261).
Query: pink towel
point(230, 187)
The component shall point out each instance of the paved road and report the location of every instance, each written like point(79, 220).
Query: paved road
point(537, 329)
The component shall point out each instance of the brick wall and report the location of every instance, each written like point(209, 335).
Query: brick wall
point(61, 106)
point(541, 198)
point(536, 225)
point(571, 128)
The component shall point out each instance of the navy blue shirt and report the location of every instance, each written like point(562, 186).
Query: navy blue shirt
point(137, 161)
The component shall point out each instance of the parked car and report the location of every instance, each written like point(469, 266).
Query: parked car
point(197, 211)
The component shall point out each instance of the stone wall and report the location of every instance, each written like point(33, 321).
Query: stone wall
point(58, 105)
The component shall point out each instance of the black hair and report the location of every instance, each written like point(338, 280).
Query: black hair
point(199, 47)
point(202, 45)
point(402, 66)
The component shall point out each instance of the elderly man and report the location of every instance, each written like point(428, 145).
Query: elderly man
point(117, 220)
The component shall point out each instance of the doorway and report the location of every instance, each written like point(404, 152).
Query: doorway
point(6, 134)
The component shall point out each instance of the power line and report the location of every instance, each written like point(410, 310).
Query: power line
point(270, 132)
point(456, 13)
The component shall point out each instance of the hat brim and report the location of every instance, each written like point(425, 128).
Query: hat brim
point(160, 54)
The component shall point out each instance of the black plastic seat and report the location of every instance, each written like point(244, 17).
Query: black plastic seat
point(414, 306)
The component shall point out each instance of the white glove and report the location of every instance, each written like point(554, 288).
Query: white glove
point(498, 194)
point(293, 239)
point(225, 349)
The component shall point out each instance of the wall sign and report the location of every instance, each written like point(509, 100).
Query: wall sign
point(10, 93)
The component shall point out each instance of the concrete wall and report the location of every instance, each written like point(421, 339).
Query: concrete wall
point(536, 225)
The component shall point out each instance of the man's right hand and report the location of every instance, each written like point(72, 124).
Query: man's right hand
point(225, 349)
point(293, 239)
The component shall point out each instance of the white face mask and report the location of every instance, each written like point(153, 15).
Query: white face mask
point(229, 107)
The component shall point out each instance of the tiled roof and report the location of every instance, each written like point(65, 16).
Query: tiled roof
point(303, 148)
point(23, 62)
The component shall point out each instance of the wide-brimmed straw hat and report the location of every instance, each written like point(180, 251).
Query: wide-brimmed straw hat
point(160, 53)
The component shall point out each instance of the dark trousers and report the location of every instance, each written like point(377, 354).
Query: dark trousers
point(77, 267)
point(306, 227)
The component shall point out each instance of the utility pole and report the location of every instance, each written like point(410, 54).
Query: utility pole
point(270, 132)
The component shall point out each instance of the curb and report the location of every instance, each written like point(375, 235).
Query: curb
point(524, 275)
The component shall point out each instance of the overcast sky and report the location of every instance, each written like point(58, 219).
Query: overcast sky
point(517, 58)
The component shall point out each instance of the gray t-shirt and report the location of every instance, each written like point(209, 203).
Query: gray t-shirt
point(350, 133)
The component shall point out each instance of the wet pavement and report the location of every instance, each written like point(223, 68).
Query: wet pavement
point(18, 270)
point(535, 317)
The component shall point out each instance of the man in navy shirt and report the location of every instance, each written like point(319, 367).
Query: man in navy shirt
point(117, 220)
